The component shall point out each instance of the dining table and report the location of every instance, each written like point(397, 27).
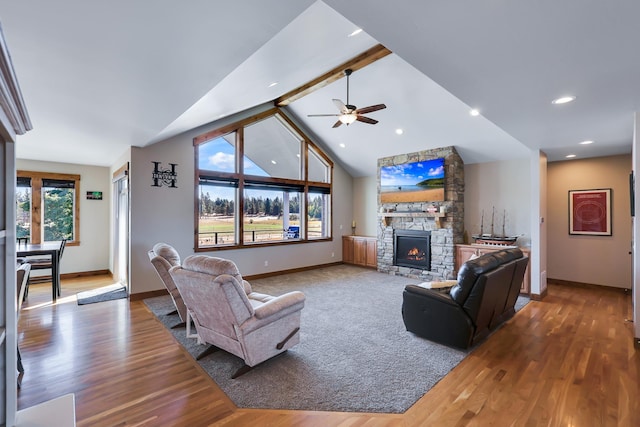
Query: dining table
point(51, 249)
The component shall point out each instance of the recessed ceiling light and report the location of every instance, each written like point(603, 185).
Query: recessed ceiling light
point(570, 156)
point(273, 84)
point(273, 161)
point(563, 99)
point(399, 131)
point(342, 145)
point(586, 142)
point(474, 112)
point(355, 32)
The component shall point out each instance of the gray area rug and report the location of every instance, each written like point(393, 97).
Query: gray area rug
point(105, 293)
point(355, 354)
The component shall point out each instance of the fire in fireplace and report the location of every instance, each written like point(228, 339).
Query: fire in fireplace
point(412, 248)
point(416, 254)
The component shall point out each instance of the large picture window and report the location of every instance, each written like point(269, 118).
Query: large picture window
point(261, 181)
point(47, 207)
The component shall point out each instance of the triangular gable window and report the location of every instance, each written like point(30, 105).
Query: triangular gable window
point(261, 181)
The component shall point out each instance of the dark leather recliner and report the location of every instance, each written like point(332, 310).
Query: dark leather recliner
point(482, 300)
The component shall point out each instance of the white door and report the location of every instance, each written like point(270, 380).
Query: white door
point(121, 228)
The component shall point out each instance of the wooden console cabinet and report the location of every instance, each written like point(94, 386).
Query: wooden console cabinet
point(464, 252)
point(360, 250)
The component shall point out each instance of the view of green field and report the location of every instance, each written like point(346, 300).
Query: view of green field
point(220, 229)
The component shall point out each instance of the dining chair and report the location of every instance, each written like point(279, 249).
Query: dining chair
point(22, 281)
point(46, 263)
point(22, 241)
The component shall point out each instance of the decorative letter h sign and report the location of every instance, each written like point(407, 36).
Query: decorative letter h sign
point(161, 176)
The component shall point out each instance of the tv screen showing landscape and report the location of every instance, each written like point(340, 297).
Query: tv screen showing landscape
point(413, 182)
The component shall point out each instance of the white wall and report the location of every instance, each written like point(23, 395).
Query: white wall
point(365, 205)
point(635, 161)
point(505, 186)
point(539, 227)
point(93, 252)
point(163, 214)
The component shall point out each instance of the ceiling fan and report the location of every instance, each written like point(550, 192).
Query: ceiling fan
point(350, 113)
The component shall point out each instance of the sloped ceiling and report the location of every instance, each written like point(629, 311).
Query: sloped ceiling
point(100, 77)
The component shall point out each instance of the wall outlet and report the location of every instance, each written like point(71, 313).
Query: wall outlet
point(333, 254)
point(266, 263)
point(340, 226)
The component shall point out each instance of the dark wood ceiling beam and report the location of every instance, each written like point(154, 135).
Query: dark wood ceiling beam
point(365, 58)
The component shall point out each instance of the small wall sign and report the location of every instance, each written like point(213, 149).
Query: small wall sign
point(160, 176)
point(94, 195)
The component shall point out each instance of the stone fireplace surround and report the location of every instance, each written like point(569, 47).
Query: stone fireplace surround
point(446, 229)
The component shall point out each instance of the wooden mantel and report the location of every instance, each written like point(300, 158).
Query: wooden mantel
point(388, 216)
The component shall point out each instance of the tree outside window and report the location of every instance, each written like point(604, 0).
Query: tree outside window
point(58, 212)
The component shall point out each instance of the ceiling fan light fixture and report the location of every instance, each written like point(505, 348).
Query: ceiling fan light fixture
point(347, 119)
point(563, 99)
point(349, 113)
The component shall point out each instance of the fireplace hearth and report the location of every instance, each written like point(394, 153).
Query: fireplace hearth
point(412, 248)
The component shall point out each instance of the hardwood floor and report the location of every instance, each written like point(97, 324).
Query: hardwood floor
point(568, 360)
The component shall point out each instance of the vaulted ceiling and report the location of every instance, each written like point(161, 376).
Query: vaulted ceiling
point(98, 77)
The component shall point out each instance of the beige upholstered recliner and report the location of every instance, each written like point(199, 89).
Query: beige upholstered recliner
point(228, 315)
point(163, 257)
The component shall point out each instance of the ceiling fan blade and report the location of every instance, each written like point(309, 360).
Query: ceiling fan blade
point(323, 115)
point(343, 108)
point(364, 119)
point(337, 124)
point(370, 109)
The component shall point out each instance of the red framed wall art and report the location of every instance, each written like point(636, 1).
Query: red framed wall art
point(590, 212)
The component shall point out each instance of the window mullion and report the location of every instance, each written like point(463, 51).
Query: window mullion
point(239, 217)
point(36, 209)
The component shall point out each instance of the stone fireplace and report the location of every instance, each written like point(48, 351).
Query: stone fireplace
point(442, 221)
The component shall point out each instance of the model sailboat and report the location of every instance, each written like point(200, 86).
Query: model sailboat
point(492, 238)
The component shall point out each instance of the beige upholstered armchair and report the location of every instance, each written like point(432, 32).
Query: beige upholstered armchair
point(163, 257)
point(228, 315)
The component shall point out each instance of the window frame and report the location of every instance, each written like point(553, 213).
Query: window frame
point(239, 176)
point(36, 232)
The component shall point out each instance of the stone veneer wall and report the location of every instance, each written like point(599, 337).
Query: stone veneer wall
point(443, 238)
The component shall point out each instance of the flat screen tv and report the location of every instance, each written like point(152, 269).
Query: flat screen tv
point(413, 182)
